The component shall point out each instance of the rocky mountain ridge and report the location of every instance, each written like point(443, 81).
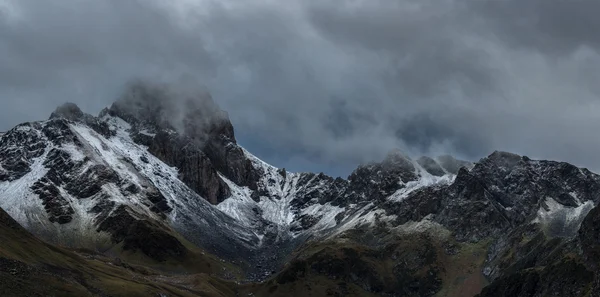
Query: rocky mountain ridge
point(138, 180)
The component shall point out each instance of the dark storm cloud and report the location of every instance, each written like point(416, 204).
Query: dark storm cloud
point(421, 40)
point(323, 85)
point(86, 51)
point(552, 26)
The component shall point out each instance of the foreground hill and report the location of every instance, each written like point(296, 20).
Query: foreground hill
point(31, 267)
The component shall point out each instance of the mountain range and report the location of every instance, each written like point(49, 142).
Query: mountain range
point(155, 197)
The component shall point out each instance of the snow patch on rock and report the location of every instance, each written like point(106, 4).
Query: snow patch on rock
point(560, 220)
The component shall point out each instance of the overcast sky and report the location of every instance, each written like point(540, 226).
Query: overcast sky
point(324, 85)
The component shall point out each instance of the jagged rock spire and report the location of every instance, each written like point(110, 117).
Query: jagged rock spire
point(191, 113)
point(69, 111)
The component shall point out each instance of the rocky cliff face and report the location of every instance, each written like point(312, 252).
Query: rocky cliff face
point(192, 134)
point(153, 170)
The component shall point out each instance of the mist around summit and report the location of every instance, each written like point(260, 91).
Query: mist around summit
point(313, 85)
point(430, 148)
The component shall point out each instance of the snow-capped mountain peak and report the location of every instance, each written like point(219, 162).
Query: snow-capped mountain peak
point(84, 181)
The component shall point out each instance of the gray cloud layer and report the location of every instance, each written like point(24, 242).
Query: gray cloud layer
point(324, 85)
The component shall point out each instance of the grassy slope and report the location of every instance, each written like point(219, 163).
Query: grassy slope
point(30, 267)
point(407, 265)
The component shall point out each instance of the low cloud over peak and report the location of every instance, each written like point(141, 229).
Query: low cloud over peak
point(324, 85)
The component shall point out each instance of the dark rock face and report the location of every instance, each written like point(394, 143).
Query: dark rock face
point(589, 238)
point(304, 222)
point(22, 145)
point(195, 168)
point(397, 164)
point(589, 235)
point(99, 126)
point(529, 261)
point(64, 172)
point(526, 247)
point(376, 181)
point(371, 183)
point(312, 191)
point(200, 143)
point(499, 199)
point(154, 242)
point(89, 183)
point(60, 166)
point(229, 159)
point(470, 210)
point(69, 111)
point(58, 208)
point(160, 204)
point(498, 194)
point(59, 132)
point(18, 148)
point(415, 207)
point(522, 183)
point(431, 166)
point(451, 164)
point(143, 235)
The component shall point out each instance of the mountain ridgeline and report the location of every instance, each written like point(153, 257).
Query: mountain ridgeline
point(157, 185)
